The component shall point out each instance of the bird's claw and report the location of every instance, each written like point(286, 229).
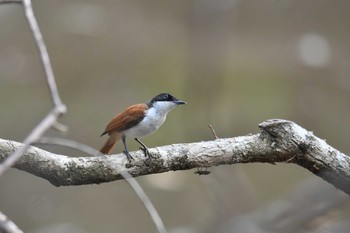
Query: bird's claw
point(146, 152)
point(128, 156)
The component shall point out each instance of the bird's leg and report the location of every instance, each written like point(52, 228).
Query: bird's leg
point(143, 148)
point(126, 151)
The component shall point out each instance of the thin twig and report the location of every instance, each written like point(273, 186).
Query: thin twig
point(60, 127)
point(36, 133)
point(51, 121)
point(69, 143)
point(7, 226)
point(10, 1)
point(59, 107)
point(146, 201)
point(126, 175)
point(213, 131)
point(45, 59)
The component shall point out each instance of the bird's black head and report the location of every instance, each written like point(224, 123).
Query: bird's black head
point(165, 97)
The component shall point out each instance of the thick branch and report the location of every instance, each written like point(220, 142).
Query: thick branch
point(278, 141)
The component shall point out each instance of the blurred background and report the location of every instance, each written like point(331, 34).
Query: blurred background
point(236, 63)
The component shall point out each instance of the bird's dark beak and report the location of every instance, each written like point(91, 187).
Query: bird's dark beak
point(178, 102)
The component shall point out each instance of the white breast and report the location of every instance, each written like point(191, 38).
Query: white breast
point(153, 119)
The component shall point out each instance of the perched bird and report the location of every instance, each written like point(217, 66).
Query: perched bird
point(138, 121)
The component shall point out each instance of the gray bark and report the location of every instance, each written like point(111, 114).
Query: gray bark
point(278, 141)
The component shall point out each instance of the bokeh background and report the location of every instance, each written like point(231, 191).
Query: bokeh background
point(236, 63)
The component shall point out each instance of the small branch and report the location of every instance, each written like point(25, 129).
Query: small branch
point(277, 142)
point(213, 131)
point(10, 1)
point(7, 226)
point(60, 127)
point(130, 180)
point(146, 201)
point(70, 144)
point(58, 109)
point(51, 121)
point(44, 55)
point(36, 133)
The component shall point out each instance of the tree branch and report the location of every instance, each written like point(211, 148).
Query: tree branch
point(44, 55)
point(278, 141)
point(51, 121)
point(131, 180)
point(7, 226)
point(10, 1)
point(58, 107)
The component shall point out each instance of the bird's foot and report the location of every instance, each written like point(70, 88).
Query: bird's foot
point(128, 156)
point(146, 152)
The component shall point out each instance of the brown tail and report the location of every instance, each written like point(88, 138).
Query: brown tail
point(110, 143)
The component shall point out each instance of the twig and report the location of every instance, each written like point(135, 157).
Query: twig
point(10, 1)
point(146, 201)
point(58, 109)
point(7, 226)
point(291, 158)
point(69, 143)
point(126, 175)
point(51, 121)
point(36, 133)
point(213, 131)
point(45, 59)
point(60, 127)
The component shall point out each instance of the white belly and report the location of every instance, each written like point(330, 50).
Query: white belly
point(147, 126)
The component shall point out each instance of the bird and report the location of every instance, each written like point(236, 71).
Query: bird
point(138, 121)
